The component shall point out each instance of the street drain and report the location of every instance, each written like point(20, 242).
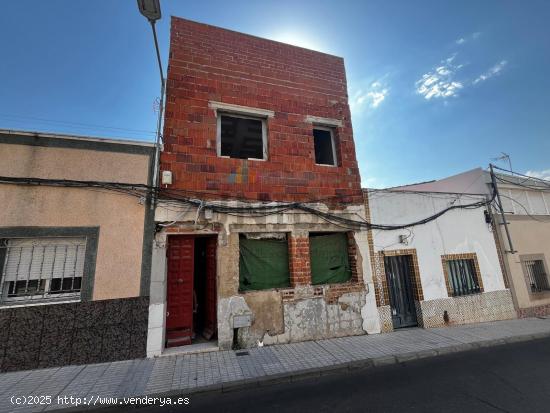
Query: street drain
point(242, 353)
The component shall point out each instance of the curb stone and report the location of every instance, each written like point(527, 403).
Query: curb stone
point(404, 357)
point(384, 361)
point(238, 385)
point(316, 372)
point(361, 364)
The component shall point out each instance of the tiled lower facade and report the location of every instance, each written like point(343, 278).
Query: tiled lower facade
point(475, 308)
point(386, 324)
point(537, 311)
point(87, 332)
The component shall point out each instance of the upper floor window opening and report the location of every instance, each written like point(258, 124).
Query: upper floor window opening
point(325, 148)
point(242, 137)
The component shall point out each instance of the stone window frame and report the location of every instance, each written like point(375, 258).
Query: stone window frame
point(461, 256)
point(245, 112)
point(332, 131)
point(92, 237)
point(530, 257)
point(331, 125)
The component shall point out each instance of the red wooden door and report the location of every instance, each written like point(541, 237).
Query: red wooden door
point(179, 315)
point(210, 316)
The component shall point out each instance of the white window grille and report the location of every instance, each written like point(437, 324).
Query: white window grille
point(41, 268)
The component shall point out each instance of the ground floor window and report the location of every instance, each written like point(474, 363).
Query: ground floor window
point(263, 262)
point(329, 258)
point(463, 276)
point(535, 273)
point(41, 268)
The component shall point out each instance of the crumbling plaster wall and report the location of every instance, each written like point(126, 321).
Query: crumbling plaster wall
point(281, 315)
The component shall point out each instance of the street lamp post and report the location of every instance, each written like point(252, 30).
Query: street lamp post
point(151, 10)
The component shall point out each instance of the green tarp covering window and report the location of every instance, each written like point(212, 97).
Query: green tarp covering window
point(263, 264)
point(329, 259)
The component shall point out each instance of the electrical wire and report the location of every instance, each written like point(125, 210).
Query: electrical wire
point(80, 125)
point(261, 209)
point(544, 182)
point(534, 188)
point(523, 207)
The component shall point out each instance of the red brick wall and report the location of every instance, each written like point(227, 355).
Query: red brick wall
point(207, 63)
point(299, 262)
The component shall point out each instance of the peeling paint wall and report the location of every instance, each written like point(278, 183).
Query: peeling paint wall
point(299, 313)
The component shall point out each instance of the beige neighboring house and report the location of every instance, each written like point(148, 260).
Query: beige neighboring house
point(74, 261)
point(526, 205)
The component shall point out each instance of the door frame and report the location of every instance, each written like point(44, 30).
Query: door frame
point(416, 283)
point(164, 238)
point(184, 277)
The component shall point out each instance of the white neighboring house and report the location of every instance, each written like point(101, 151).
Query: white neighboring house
point(526, 206)
point(444, 272)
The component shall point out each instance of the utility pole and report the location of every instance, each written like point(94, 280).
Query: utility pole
point(151, 10)
point(499, 202)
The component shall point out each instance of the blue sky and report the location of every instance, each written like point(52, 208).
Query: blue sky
point(436, 87)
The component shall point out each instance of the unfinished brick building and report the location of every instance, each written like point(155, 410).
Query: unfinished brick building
point(251, 121)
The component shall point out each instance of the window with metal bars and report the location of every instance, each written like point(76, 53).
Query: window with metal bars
point(463, 277)
point(41, 268)
point(536, 275)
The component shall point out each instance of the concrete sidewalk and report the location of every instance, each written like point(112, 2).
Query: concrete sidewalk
point(229, 370)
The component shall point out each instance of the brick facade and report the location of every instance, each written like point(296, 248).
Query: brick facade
point(299, 263)
point(210, 64)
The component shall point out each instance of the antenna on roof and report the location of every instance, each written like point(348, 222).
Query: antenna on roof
point(504, 157)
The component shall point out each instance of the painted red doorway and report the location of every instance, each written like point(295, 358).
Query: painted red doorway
point(191, 290)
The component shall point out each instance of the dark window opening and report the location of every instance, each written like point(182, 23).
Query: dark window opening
point(329, 258)
point(24, 288)
point(65, 285)
point(324, 148)
point(241, 138)
point(263, 264)
point(463, 277)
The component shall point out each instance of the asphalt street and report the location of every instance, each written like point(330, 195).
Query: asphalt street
point(510, 378)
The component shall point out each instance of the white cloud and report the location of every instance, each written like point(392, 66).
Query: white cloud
point(440, 81)
point(493, 71)
point(544, 174)
point(370, 96)
point(467, 38)
point(372, 182)
point(377, 97)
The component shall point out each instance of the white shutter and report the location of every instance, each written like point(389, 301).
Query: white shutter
point(546, 196)
point(521, 206)
point(507, 203)
point(44, 258)
point(537, 203)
